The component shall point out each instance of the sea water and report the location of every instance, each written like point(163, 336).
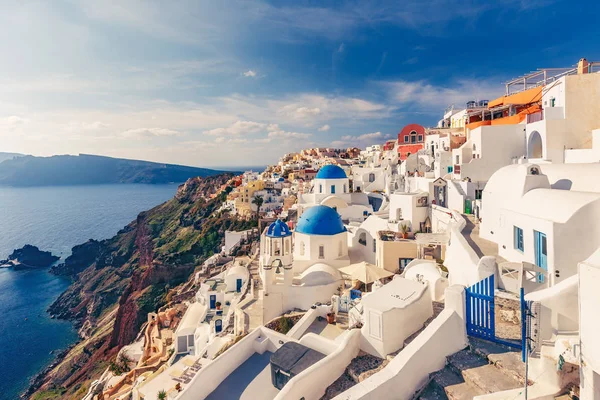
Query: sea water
point(54, 219)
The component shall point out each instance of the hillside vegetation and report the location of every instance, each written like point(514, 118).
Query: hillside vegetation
point(117, 281)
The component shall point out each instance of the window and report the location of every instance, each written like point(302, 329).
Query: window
point(332, 189)
point(413, 138)
point(371, 177)
point(321, 252)
point(457, 160)
point(420, 138)
point(403, 262)
point(406, 139)
point(518, 232)
point(320, 188)
point(362, 239)
point(345, 188)
point(302, 248)
point(374, 245)
point(478, 194)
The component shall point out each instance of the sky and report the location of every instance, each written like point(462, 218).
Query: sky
point(230, 83)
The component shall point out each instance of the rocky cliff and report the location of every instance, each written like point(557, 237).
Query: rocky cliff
point(29, 257)
point(117, 281)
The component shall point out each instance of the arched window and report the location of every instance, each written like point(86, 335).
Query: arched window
point(277, 249)
point(302, 248)
point(371, 177)
point(321, 252)
point(535, 147)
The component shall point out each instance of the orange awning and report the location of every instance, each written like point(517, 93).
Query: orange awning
point(512, 120)
point(525, 97)
point(477, 124)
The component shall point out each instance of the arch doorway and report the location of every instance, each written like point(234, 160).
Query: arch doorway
point(535, 148)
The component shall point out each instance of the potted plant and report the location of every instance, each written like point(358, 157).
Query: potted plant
point(404, 229)
point(330, 316)
point(178, 387)
point(162, 395)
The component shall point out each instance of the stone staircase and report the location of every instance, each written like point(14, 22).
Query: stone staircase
point(361, 367)
point(482, 368)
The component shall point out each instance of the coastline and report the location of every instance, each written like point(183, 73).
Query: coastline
point(35, 382)
point(46, 223)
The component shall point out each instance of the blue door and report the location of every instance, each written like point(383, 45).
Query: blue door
point(213, 301)
point(218, 325)
point(541, 253)
point(238, 285)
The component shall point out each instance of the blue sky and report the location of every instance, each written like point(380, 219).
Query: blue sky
point(225, 83)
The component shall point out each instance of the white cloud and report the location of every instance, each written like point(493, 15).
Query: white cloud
point(288, 135)
point(13, 120)
point(428, 96)
point(222, 139)
point(324, 128)
point(361, 140)
point(250, 74)
point(302, 112)
point(238, 128)
point(150, 132)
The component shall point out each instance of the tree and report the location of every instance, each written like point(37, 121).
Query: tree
point(162, 395)
point(258, 201)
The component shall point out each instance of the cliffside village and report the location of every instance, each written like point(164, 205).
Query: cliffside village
point(459, 261)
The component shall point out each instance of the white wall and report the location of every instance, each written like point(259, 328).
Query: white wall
point(497, 145)
point(409, 370)
point(312, 383)
point(589, 304)
point(332, 244)
point(213, 374)
point(463, 264)
point(395, 325)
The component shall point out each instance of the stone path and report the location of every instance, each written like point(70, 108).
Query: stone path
point(482, 368)
point(481, 246)
point(254, 309)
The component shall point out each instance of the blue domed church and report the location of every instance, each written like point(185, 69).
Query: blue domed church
point(300, 268)
point(331, 187)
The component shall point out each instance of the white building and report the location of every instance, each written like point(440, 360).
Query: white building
point(393, 313)
point(331, 187)
point(533, 222)
point(309, 273)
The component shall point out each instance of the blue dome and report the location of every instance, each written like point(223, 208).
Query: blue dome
point(331, 171)
point(320, 220)
point(281, 180)
point(278, 229)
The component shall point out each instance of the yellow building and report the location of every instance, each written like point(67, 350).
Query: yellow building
point(243, 204)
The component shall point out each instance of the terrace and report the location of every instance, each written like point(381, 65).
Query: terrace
point(250, 381)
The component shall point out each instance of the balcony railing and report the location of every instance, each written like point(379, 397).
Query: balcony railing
point(535, 117)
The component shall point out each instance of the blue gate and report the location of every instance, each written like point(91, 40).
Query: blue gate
point(481, 317)
point(480, 309)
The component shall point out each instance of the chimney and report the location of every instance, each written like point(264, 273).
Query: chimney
point(583, 66)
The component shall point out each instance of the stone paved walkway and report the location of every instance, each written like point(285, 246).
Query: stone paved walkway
point(481, 246)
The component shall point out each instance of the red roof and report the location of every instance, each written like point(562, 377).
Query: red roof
point(411, 127)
